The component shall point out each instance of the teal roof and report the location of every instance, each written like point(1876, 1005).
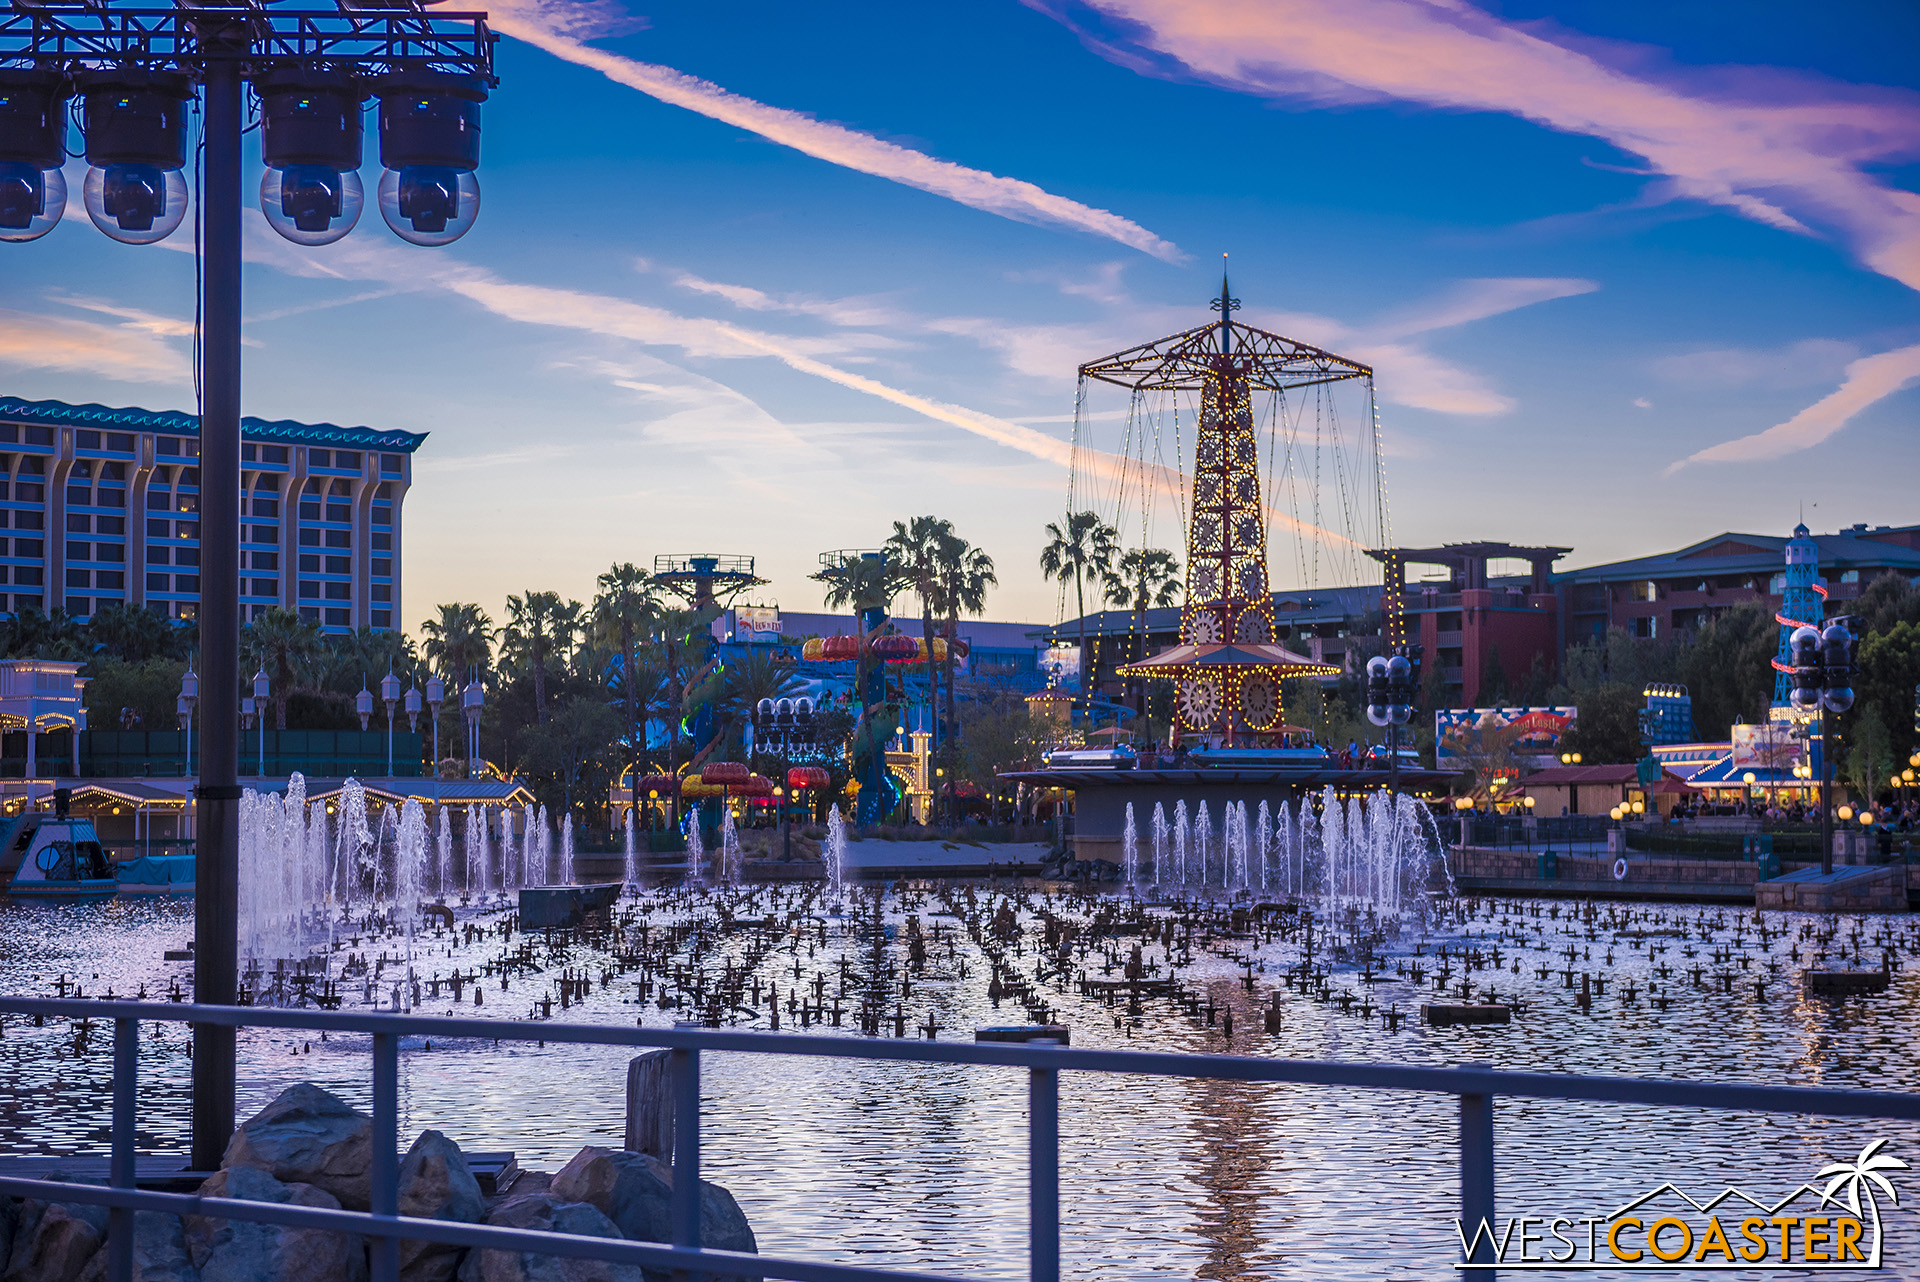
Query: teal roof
point(61, 414)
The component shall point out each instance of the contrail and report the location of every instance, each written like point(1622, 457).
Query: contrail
point(530, 20)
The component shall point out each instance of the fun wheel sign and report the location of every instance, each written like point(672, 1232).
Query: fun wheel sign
point(1225, 688)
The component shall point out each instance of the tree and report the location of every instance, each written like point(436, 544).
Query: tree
point(570, 749)
point(33, 635)
point(760, 674)
point(1080, 549)
point(916, 550)
point(624, 608)
point(286, 647)
point(1486, 750)
point(135, 634)
point(1141, 580)
point(1607, 731)
point(1729, 668)
point(1889, 681)
point(540, 627)
point(966, 572)
point(459, 643)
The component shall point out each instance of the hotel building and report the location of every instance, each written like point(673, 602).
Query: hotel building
point(101, 505)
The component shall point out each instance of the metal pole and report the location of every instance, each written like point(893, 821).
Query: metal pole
point(1043, 1174)
point(384, 1175)
point(216, 865)
point(1826, 799)
point(684, 1210)
point(1476, 1177)
point(126, 1064)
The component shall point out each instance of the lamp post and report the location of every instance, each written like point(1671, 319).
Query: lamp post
point(1822, 663)
point(249, 709)
point(136, 67)
point(262, 695)
point(390, 694)
point(184, 706)
point(1749, 779)
point(436, 696)
point(472, 700)
point(363, 706)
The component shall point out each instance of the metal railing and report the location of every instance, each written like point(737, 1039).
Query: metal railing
point(1476, 1088)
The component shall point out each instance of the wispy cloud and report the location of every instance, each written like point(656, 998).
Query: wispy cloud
point(1793, 154)
point(1869, 379)
point(129, 353)
point(1467, 301)
point(847, 312)
point(552, 25)
point(1811, 361)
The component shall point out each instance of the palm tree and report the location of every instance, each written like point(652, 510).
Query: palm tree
point(623, 609)
point(1143, 579)
point(1863, 1173)
point(966, 572)
point(916, 552)
point(1083, 549)
point(133, 633)
point(460, 644)
point(286, 646)
point(540, 626)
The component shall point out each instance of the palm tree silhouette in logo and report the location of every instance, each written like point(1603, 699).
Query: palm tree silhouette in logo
point(1863, 1173)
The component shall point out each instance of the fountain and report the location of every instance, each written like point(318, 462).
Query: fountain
point(633, 853)
point(540, 873)
point(443, 851)
point(730, 857)
point(1159, 844)
point(696, 855)
point(834, 853)
point(1262, 846)
point(1130, 851)
point(566, 849)
point(1201, 856)
point(1180, 834)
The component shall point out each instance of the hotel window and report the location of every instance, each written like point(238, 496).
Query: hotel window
point(382, 542)
point(266, 561)
point(382, 592)
point(266, 587)
point(391, 465)
point(79, 579)
point(110, 524)
point(86, 440)
point(120, 442)
point(110, 552)
point(383, 618)
point(309, 590)
point(79, 496)
point(382, 567)
point(28, 574)
point(186, 583)
point(309, 565)
point(319, 458)
point(1645, 628)
point(339, 619)
point(347, 460)
point(1644, 590)
point(339, 591)
point(79, 523)
point(167, 445)
point(159, 529)
point(309, 538)
point(79, 551)
point(108, 496)
point(339, 538)
point(263, 534)
point(339, 565)
point(186, 556)
point(273, 454)
point(29, 520)
point(29, 547)
point(309, 614)
point(383, 514)
point(159, 555)
point(110, 580)
point(1850, 576)
point(341, 512)
point(39, 436)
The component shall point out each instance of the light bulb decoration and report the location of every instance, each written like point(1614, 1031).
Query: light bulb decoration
point(136, 127)
point(33, 127)
point(310, 136)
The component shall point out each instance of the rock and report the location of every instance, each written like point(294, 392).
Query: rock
point(436, 1184)
point(159, 1252)
point(635, 1191)
point(248, 1251)
point(547, 1213)
point(307, 1136)
point(54, 1241)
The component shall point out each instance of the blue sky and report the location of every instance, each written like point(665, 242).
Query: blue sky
point(1629, 274)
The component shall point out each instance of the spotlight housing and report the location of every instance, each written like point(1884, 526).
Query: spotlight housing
point(430, 146)
point(136, 147)
point(310, 139)
point(33, 129)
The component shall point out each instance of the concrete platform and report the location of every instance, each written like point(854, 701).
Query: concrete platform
point(1881, 889)
point(872, 859)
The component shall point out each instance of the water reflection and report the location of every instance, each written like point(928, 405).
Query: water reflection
point(925, 1165)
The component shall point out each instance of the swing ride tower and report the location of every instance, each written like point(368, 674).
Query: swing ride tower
point(1228, 665)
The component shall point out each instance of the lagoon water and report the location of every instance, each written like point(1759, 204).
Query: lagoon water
point(925, 1167)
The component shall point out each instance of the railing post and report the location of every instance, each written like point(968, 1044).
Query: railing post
point(1476, 1179)
point(1043, 1173)
point(126, 1065)
point(385, 1171)
point(686, 1153)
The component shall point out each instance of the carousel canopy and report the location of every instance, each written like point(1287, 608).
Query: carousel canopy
point(1199, 660)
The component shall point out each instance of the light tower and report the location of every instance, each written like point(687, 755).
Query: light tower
point(1802, 601)
point(1227, 665)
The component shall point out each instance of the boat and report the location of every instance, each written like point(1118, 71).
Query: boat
point(54, 855)
point(1281, 746)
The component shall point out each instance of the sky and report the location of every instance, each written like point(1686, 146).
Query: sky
point(764, 278)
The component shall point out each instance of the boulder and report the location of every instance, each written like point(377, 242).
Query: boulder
point(436, 1184)
point(547, 1213)
point(159, 1252)
point(54, 1241)
point(635, 1191)
point(308, 1136)
point(249, 1251)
